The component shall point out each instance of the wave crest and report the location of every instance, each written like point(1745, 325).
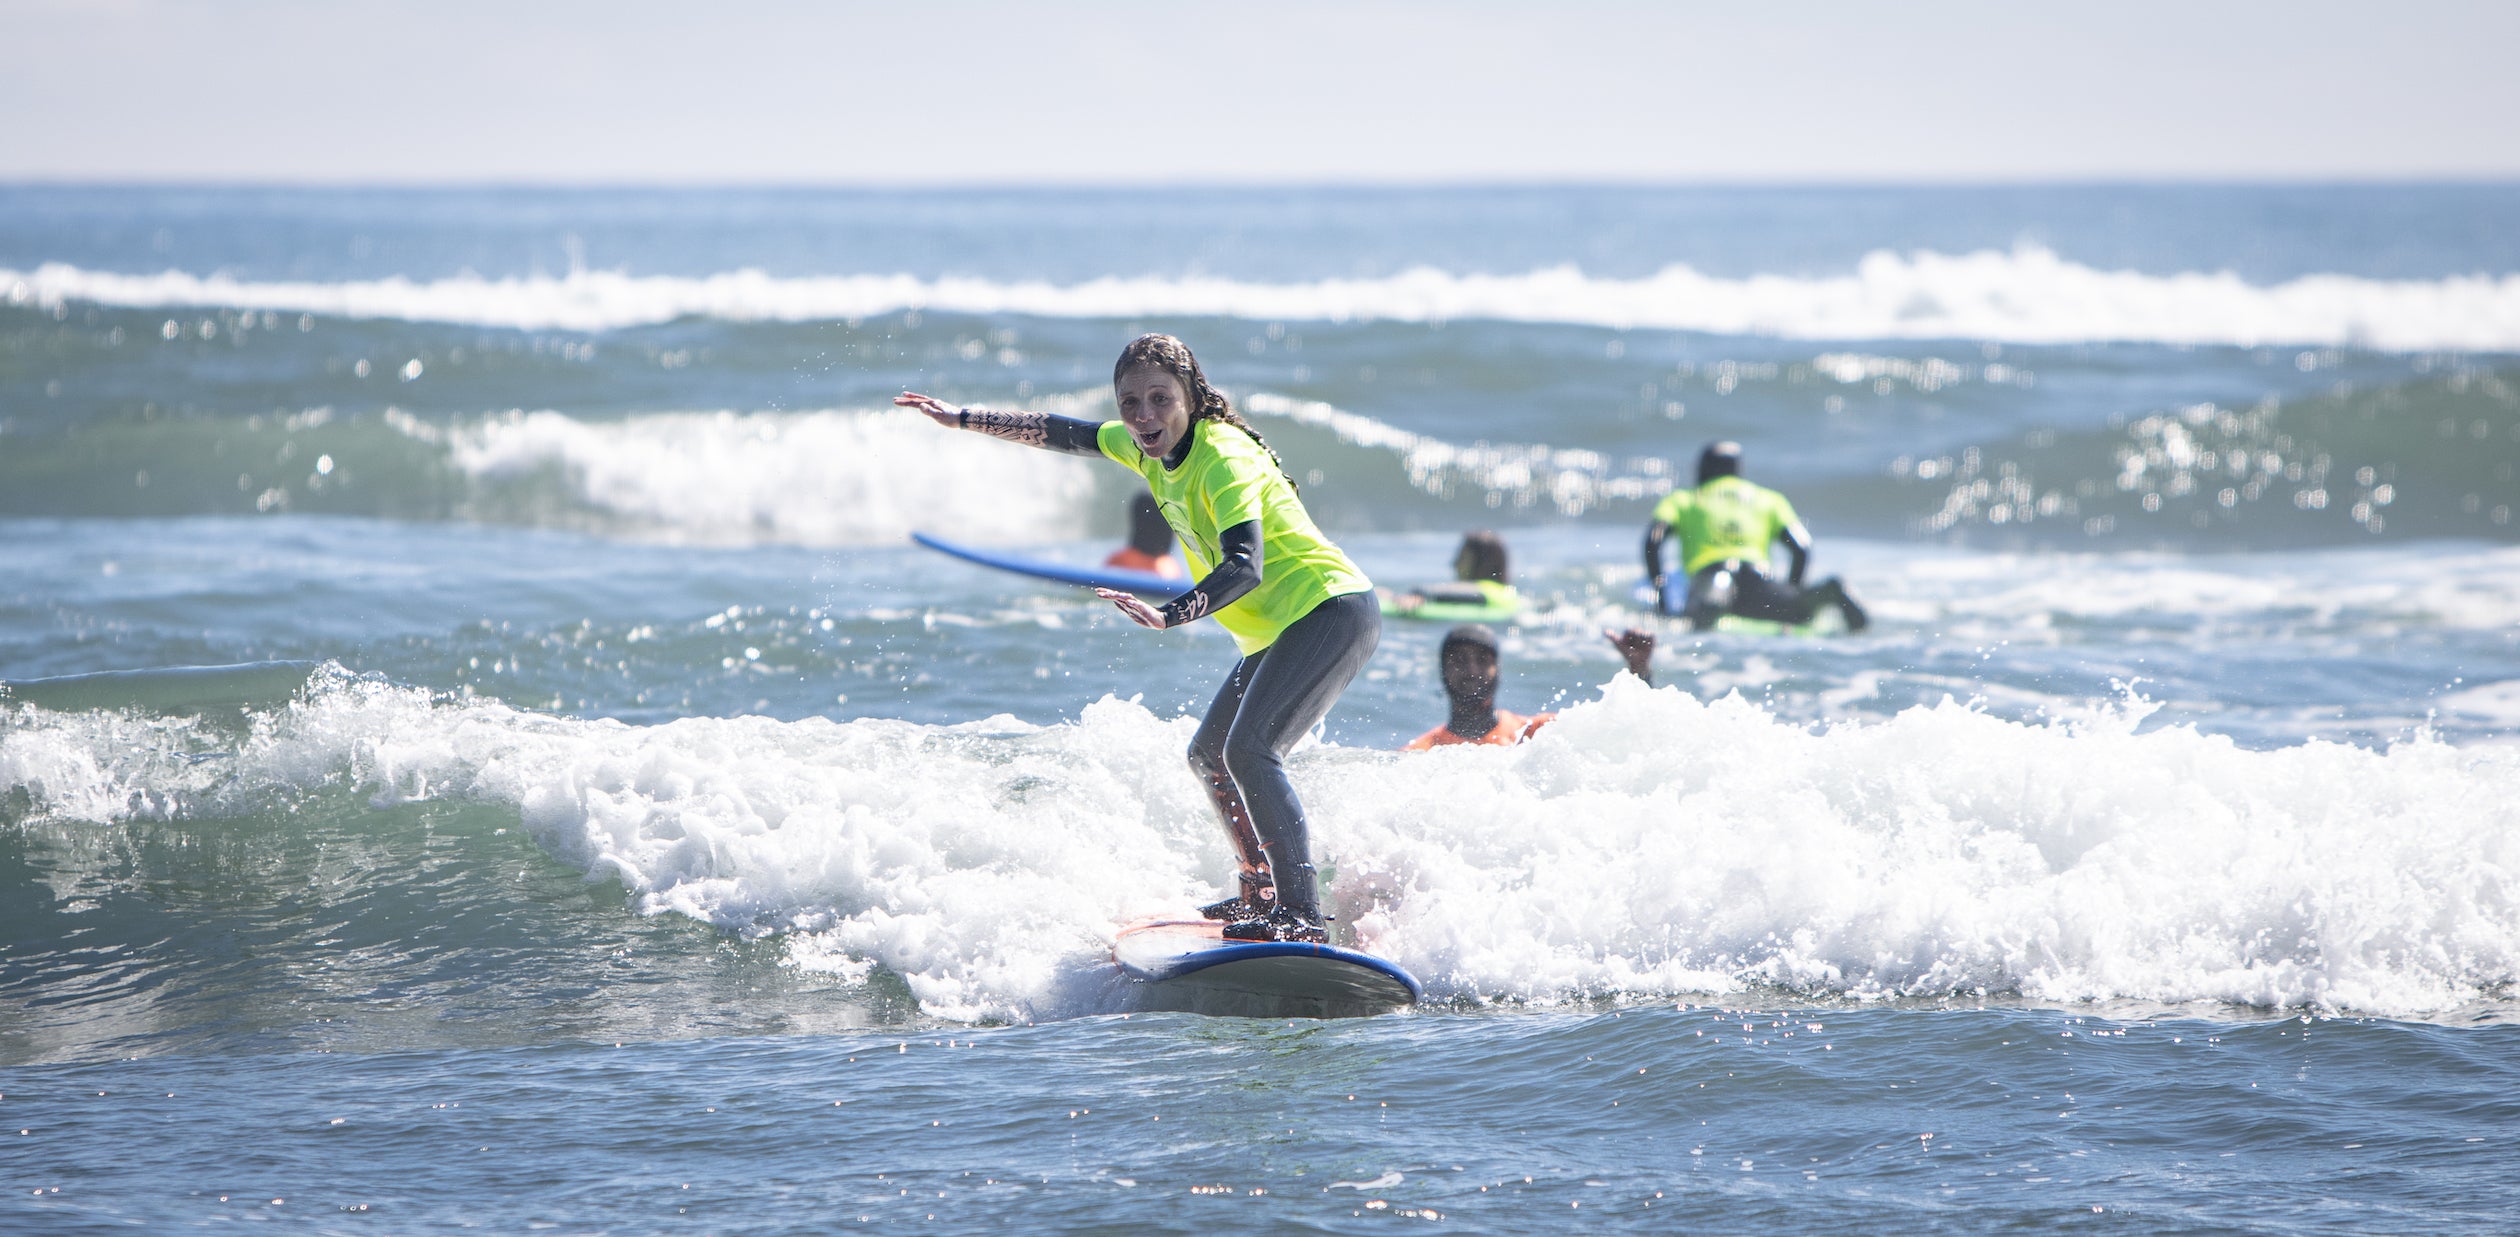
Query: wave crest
point(2027, 295)
point(810, 478)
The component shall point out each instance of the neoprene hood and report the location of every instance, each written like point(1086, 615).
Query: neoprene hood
point(1719, 459)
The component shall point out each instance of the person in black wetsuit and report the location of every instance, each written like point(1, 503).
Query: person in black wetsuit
point(1725, 526)
point(1303, 615)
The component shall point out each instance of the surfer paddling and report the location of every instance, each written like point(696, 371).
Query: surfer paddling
point(1725, 526)
point(1302, 614)
point(1479, 581)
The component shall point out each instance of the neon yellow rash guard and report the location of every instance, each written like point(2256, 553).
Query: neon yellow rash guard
point(1227, 479)
point(1726, 518)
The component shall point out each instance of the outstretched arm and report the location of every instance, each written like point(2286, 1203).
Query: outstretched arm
point(1239, 566)
point(1046, 430)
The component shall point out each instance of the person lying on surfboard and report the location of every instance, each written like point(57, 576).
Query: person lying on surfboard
point(1725, 526)
point(1469, 662)
point(1299, 610)
point(1479, 580)
point(1150, 541)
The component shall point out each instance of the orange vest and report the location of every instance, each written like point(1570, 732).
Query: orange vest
point(1135, 559)
point(1510, 729)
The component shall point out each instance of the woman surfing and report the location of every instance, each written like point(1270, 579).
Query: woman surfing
point(1303, 615)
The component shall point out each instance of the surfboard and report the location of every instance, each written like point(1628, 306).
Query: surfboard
point(1730, 624)
point(1433, 611)
point(1121, 578)
point(1188, 964)
point(165, 689)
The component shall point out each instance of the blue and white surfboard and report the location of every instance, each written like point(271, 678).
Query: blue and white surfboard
point(1190, 958)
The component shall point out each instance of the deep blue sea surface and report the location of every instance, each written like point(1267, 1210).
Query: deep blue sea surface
point(617, 825)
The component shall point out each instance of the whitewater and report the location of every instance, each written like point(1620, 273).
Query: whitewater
point(1939, 852)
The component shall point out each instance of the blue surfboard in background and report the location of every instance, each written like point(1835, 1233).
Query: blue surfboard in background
point(1121, 578)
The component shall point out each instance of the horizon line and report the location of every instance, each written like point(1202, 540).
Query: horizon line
point(2322, 180)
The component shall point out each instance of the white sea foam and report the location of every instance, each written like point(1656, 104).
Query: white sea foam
point(810, 478)
point(839, 477)
point(2362, 593)
point(2028, 295)
point(1940, 851)
point(2496, 703)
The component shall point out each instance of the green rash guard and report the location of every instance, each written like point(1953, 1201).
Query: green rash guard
point(1726, 518)
point(1227, 479)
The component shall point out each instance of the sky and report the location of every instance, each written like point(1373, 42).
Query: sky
point(1287, 91)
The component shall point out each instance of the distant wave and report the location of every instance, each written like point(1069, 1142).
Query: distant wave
point(808, 478)
point(711, 478)
point(852, 477)
point(828, 477)
point(2313, 472)
point(2027, 295)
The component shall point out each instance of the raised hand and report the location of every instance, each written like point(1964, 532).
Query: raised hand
point(1636, 647)
point(936, 409)
point(1032, 429)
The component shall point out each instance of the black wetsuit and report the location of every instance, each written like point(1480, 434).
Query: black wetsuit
point(1269, 701)
point(1737, 586)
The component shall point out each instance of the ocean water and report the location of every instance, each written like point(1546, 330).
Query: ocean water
point(611, 822)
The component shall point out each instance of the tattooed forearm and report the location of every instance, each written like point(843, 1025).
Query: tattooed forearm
point(1046, 430)
point(1029, 428)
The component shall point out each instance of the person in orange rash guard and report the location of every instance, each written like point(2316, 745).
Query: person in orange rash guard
point(1470, 667)
point(1150, 541)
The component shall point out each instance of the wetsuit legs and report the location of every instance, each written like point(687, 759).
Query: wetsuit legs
point(1830, 592)
point(1710, 595)
point(1268, 703)
point(1207, 760)
point(1737, 587)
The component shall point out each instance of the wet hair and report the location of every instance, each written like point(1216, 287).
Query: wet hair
point(1148, 533)
point(1481, 557)
point(1206, 402)
point(1719, 459)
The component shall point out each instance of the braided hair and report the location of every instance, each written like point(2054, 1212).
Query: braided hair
point(1172, 356)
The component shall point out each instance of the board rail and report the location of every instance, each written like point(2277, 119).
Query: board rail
point(1191, 958)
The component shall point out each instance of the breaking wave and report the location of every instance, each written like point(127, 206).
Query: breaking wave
point(1938, 852)
point(2026, 295)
